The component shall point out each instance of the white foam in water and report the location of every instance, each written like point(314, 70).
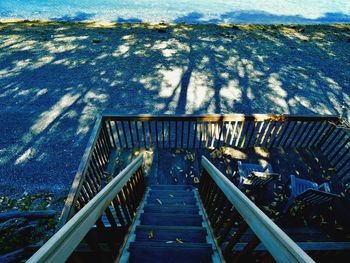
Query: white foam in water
point(190, 11)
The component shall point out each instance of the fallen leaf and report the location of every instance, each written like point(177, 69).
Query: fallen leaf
point(171, 195)
point(178, 240)
point(159, 202)
point(195, 180)
point(150, 234)
point(136, 153)
point(169, 242)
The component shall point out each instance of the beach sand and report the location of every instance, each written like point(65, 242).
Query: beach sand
point(55, 77)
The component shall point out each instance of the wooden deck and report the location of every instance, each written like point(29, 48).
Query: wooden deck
point(318, 224)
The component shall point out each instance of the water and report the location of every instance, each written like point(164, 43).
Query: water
point(190, 11)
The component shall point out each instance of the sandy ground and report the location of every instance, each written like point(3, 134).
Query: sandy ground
point(55, 77)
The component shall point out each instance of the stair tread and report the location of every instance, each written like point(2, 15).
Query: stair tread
point(172, 201)
point(172, 228)
point(177, 209)
point(176, 191)
point(171, 206)
point(171, 253)
point(170, 219)
point(172, 187)
point(169, 215)
point(172, 193)
point(170, 245)
point(165, 233)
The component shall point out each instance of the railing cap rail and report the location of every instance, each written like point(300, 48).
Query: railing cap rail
point(278, 243)
point(220, 117)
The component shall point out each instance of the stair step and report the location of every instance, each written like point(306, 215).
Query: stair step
point(173, 209)
point(171, 253)
point(171, 193)
point(171, 200)
point(166, 233)
point(171, 187)
point(171, 220)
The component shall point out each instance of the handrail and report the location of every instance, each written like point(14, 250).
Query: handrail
point(63, 243)
point(278, 243)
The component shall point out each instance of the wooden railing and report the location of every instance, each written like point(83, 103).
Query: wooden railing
point(227, 207)
point(329, 134)
point(90, 175)
point(117, 202)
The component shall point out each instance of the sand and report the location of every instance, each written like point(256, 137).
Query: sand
point(55, 77)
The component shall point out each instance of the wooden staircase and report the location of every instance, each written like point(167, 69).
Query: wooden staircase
point(170, 227)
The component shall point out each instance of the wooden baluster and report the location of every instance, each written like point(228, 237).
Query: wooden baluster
point(116, 208)
point(169, 133)
point(230, 220)
point(131, 135)
point(233, 132)
point(124, 134)
point(123, 203)
point(223, 208)
point(242, 228)
point(157, 134)
point(313, 135)
point(227, 132)
point(329, 132)
point(219, 202)
point(273, 140)
point(340, 148)
point(289, 134)
point(240, 133)
point(220, 133)
point(188, 133)
point(110, 218)
point(214, 134)
point(176, 134)
point(150, 134)
point(195, 135)
point(245, 135)
point(336, 143)
point(332, 139)
point(306, 137)
point(248, 249)
point(283, 133)
point(182, 134)
point(111, 134)
point(163, 134)
point(252, 134)
point(118, 134)
point(137, 135)
point(144, 135)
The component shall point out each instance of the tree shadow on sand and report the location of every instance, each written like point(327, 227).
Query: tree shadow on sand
point(55, 77)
